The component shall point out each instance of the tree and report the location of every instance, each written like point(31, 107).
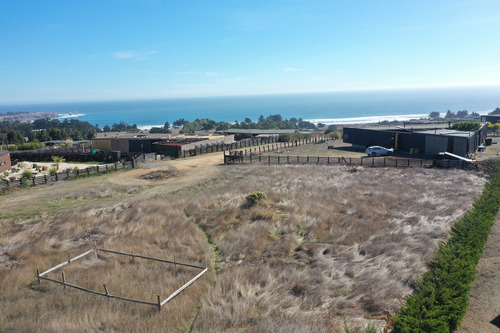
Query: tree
point(434, 115)
point(57, 160)
point(180, 122)
point(15, 137)
point(167, 125)
point(462, 114)
point(496, 111)
point(450, 115)
point(471, 126)
point(106, 128)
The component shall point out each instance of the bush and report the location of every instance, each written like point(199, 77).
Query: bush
point(53, 172)
point(466, 126)
point(27, 174)
point(441, 298)
point(254, 197)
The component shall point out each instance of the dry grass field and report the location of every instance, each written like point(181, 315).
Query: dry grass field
point(328, 245)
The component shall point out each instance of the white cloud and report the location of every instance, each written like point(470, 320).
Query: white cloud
point(291, 69)
point(131, 54)
point(212, 74)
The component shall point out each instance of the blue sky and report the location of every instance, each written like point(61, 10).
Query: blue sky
point(123, 49)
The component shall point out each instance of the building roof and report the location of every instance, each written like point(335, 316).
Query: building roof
point(3, 153)
point(440, 129)
point(259, 131)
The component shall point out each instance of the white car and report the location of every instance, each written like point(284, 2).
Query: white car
point(379, 151)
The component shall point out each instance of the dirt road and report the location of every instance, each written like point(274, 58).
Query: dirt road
point(101, 191)
point(483, 314)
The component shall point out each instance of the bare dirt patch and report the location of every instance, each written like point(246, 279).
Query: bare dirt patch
point(158, 175)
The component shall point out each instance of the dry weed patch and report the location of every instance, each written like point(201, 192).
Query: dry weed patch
point(325, 243)
point(156, 228)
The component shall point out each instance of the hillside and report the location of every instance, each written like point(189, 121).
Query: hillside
point(327, 243)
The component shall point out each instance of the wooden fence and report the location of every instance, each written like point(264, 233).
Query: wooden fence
point(251, 146)
point(351, 161)
point(158, 303)
point(71, 173)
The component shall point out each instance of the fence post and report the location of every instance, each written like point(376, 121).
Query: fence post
point(307, 161)
point(269, 159)
point(250, 158)
point(33, 180)
point(396, 162)
point(350, 161)
point(384, 161)
point(318, 160)
point(106, 290)
point(159, 302)
point(288, 159)
point(373, 161)
point(421, 162)
point(278, 160)
point(298, 159)
point(64, 280)
point(38, 275)
point(361, 160)
point(259, 158)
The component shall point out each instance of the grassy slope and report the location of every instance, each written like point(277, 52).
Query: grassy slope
point(326, 243)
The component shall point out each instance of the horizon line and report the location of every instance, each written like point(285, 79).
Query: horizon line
point(143, 98)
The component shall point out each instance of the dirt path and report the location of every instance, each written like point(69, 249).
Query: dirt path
point(483, 314)
point(102, 191)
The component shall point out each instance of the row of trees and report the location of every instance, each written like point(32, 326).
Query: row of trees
point(47, 129)
point(452, 115)
point(271, 122)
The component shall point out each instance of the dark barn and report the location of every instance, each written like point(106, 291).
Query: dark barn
point(418, 141)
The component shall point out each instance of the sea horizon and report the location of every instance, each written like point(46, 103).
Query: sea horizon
point(343, 107)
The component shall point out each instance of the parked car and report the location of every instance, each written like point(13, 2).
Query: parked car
point(379, 151)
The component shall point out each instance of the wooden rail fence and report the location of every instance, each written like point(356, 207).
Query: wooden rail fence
point(158, 303)
point(239, 157)
point(70, 173)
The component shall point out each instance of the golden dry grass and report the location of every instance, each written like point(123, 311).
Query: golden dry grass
point(328, 243)
point(155, 227)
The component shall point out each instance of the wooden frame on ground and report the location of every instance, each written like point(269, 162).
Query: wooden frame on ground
point(158, 303)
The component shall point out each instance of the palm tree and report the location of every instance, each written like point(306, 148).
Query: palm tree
point(57, 160)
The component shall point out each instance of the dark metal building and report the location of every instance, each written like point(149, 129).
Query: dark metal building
point(414, 141)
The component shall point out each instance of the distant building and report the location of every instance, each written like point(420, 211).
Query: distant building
point(491, 118)
point(163, 144)
point(240, 134)
point(4, 161)
point(423, 141)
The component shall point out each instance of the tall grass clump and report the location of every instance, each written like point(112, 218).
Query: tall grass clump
point(441, 298)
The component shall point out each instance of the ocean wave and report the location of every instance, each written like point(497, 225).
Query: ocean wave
point(148, 127)
point(70, 115)
point(376, 119)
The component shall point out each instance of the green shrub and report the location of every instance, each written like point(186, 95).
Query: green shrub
point(27, 174)
point(466, 126)
point(441, 298)
point(53, 172)
point(254, 197)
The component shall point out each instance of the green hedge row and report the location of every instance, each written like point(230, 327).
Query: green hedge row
point(441, 298)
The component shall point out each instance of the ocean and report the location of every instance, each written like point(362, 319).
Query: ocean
point(329, 108)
